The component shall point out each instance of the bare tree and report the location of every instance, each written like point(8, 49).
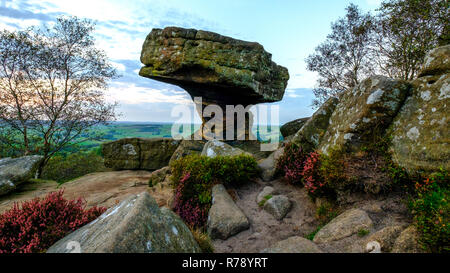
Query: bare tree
point(52, 84)
point(343, 60)
point(406, 31)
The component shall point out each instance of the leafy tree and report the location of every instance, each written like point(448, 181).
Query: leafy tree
point(52, 84)
point(343, 60)
point(406, 31)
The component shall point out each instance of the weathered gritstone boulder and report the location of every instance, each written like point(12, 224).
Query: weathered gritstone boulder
point(363, 113)
point(292, 127)
point(385, 237)
point(136, 225)
point(188, 147)
point(312, 132)
point(407, 242)
point(220, 69)
point(139, 153)
point(215, 148)
point(159, 176)
point(436, 62)
point(295, 244)
point(278, 206)
point(14, 171)
point(421, 132)
point(268, 165)
point(225, 219)
point(345, 225)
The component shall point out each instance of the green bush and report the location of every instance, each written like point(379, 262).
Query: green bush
point(63, 168)
point(431, 212)
point(194, 176)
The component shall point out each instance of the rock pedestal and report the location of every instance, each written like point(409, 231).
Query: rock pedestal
point(220, 70)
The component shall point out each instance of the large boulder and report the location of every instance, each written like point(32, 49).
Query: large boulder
point(385, 237)
point(420, 132)
point(344, 225)
point(219, 69)
point(312, 132)
point(407, 241)
point(363, 113)
point(14, 171)
point(215, 148)
point(295, 244)
point(136, 225)
point(188, 147)
point(292, 127)
point(225, 219)
point(269, 164)
point(139, 153)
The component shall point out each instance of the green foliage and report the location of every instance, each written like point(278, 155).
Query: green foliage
point(194, 176)
point(312, 234)
point(363, 232)
point(63, 168)
point(325, 213)
point(431, 212)
point(203, 240)
point(266, 198)
point(221, 169)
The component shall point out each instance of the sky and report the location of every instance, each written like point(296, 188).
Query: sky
point(288, 29)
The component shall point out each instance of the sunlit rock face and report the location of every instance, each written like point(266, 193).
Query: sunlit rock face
point(420, 132)
point(219, 69)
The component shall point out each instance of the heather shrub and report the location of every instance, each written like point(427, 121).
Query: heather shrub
point(431, 212)
point(194, 177)
point(312, 179)
point(290, 163)
point(39, 223)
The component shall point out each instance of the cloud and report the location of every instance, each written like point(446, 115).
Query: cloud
point(129, 93)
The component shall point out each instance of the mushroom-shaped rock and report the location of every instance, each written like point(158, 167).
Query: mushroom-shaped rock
point(219, 69)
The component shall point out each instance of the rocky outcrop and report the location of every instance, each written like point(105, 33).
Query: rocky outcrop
point(188, 147)
point(14, 171)
point(344, 225)
point(420, 132)
point(139, 153)
point(225, 219)
point(407, 242)
point(219, 69)
point(292, 127)
point(268, 165)
point(159, 176)
point(278, 206)
point(295, 244)
point(215, 148)
point(312, 132)
point(363, 113)
point(136, 225)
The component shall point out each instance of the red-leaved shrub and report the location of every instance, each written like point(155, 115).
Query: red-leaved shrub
point(39, 223)
point(311, 173)
point(193, 212)
point(290, 164)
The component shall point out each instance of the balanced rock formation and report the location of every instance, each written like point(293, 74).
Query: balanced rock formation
point(219, 69)
point(14, 171)
point(136, 225)
point(421, 132)
point(139, 153)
